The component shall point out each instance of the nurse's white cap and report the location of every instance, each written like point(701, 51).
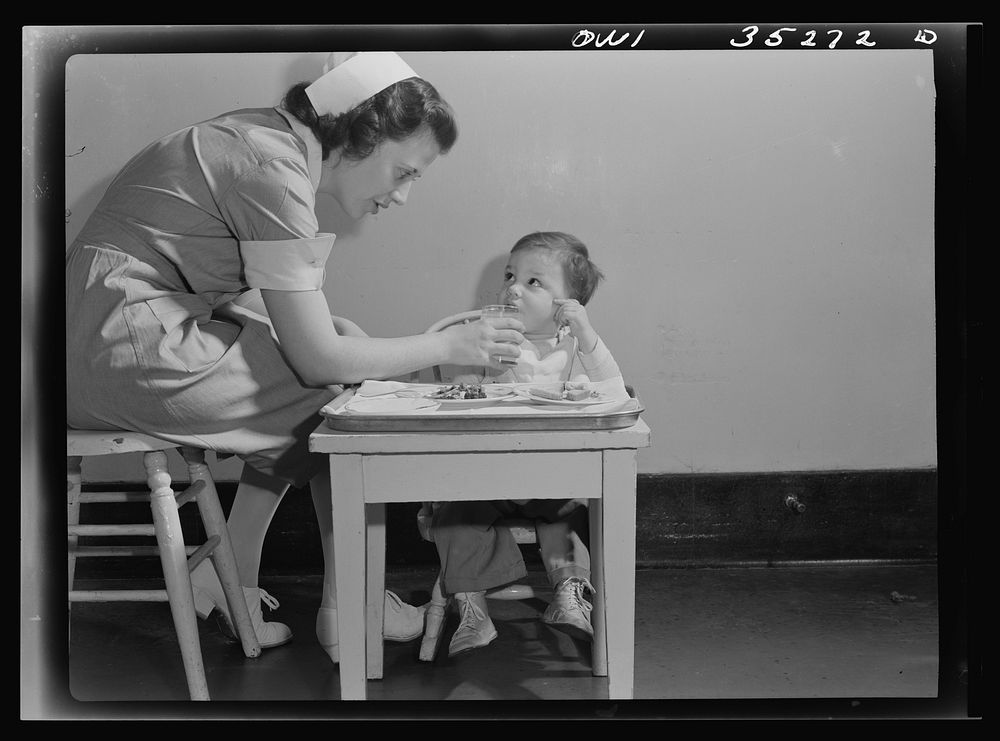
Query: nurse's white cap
point(351, 78)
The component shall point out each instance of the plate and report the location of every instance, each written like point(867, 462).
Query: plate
point(494, 393)
point(383, 405)
point(603, 399)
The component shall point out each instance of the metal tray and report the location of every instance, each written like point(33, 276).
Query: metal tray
point(626, 416)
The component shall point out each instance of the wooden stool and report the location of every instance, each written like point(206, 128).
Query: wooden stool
point(176, 558)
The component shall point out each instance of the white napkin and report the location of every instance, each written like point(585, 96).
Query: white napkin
point(390, 405)
point(381, 388)
point(378, 388)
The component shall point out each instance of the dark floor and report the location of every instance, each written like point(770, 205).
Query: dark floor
point(803, 639)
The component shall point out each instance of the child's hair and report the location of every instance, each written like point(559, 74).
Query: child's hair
point(582, 275)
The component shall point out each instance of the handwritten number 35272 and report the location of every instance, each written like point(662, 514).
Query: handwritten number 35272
point(775, 39)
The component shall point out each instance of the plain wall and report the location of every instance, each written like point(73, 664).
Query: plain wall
point(764, 220)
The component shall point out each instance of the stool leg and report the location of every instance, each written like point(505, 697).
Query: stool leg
point(173, 557)
point(74, 480)
point(223, 557)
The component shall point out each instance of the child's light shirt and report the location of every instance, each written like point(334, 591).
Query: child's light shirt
point(558, 359)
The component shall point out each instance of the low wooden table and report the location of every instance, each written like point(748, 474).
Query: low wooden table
point(369, 469)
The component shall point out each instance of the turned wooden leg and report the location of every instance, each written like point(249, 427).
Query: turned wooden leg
point(74, 480)
point(173, 557)
point(223, 557)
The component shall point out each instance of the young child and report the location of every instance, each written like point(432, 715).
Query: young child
point(550, 278)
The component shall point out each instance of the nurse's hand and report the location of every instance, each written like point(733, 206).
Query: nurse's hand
point(479, 343)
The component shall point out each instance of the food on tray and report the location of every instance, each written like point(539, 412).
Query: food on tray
point(547, 394)
point(459, 391)
point(569, 391)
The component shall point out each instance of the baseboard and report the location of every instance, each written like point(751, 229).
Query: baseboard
point(787, 517)
point(682, 520)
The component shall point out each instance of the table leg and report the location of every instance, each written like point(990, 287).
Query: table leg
point(375, 587)
point(599, 647)
point(619, 557)
point(347, 494)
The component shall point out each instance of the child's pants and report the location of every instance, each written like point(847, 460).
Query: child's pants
point(475, 555)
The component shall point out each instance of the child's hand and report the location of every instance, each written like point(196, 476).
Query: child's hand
point(572, 314)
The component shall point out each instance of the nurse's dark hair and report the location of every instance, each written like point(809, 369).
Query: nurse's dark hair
point(582, 275)
point(394, 113)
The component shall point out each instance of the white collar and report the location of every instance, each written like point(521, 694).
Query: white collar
point(314, 152)
point(561, 334)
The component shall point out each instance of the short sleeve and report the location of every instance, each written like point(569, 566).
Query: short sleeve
point(273, 200)
point(288, 264)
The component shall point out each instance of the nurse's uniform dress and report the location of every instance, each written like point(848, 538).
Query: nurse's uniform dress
point(153, 343)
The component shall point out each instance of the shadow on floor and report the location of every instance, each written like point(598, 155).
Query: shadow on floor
point(796, 641)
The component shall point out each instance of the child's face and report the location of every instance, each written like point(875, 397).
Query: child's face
point(532, 278)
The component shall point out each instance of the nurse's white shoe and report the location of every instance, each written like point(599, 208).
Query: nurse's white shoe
point(401, 623)
point(269, 635)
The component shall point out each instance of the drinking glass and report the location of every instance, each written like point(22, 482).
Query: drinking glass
point(501, 311)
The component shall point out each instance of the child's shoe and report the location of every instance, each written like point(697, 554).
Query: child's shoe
point(569, 611)
point(475, 629)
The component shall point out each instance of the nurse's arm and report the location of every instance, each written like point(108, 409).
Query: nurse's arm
point(322, 357)
point(253, 301)
point(347, 328)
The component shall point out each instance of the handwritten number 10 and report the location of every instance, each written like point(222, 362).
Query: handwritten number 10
point(775, 39)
